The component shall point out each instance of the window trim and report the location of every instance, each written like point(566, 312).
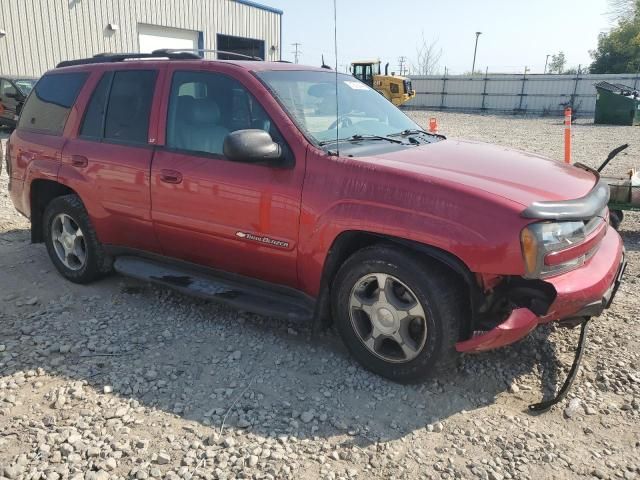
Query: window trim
point(289, 159)
point(114, 141)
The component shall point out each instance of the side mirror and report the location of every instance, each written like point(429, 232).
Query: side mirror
point(251, 146)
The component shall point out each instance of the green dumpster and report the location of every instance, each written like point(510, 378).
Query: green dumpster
point(617, 104)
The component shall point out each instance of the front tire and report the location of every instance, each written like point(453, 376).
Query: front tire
point(71, 241)
point(398, 313)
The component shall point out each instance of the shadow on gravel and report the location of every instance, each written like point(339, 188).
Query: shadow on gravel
point(18, 234)
point(228, 369)
point(631, 237)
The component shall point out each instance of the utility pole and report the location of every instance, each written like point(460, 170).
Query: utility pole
point(475, 50)
point(545, 63)
point(401, 61)
point(297, 52)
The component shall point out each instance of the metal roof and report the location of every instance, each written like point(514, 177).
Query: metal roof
point(260, 6)
point(365, 61)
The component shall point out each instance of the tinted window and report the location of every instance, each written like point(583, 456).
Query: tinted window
point(25, 85)
point(205, 107)
point(7, 87)
point(48, 106)
point(127, 117)
point(92, 124)
point(241, 45)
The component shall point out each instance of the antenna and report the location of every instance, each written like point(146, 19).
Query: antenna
point(335, 46)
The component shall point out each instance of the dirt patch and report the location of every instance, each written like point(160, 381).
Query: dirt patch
point(121, 380)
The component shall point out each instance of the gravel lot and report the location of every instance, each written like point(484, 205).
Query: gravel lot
point(123, 380)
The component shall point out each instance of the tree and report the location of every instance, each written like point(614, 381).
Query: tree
point(427, 57)
point(623, 9)
point(619, 50)
point(558, 61)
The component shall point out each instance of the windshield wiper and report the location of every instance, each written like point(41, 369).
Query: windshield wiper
point(358, 137)
point(408, 132)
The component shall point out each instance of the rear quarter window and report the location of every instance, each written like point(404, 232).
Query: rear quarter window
point(50, 102)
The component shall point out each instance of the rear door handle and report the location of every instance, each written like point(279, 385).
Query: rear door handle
point(170, 176)
point(79, 161)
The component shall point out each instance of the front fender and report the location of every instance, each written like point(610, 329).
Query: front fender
point(480, 229)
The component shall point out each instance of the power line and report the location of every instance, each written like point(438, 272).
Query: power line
point(297, 52)
point(401, 62)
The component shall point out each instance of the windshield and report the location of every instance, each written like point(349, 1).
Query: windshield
point(310, 99)
point(25, 85)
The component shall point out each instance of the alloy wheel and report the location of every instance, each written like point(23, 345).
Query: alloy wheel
point(387, 317)
point(68, 242)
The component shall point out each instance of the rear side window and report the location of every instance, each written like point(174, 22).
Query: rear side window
point(127, 117)
point(93, 123)
point(120, 107)
point(50, 102)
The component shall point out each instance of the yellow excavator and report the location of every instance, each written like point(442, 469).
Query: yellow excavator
point(395, 88)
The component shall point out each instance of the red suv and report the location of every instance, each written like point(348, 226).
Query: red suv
point(300, 192)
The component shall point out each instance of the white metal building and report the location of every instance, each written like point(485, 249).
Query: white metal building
point(37, 34)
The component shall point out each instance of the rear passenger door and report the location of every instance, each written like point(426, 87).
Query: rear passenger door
point(233, 216)
point(108, 160)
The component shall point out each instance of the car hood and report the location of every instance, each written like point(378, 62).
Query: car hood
point(515, 175)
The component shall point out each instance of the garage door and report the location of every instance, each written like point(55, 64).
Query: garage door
point(153, 37)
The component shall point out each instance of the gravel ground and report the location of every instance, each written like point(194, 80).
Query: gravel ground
point(123, 380)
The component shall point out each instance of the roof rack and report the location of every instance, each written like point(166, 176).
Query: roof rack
point(168, 53)
point(177, 51)
point(120, 57)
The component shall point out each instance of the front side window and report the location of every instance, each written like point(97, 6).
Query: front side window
point(309, 97)
point(49, 104)
point(205, 107)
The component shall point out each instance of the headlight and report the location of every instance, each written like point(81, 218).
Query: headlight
point(538, 240)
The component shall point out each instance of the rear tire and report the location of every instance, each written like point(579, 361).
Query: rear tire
point(615, 218)
point(410, 337)
point(71, 241)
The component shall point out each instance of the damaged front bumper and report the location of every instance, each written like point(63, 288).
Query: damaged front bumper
point(582, 293)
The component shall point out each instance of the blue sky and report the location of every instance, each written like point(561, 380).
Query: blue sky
point(516, 33)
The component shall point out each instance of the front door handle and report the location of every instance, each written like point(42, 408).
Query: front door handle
point(170, 176)
point(79, 161)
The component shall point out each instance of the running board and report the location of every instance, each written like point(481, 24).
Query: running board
point(253, 296)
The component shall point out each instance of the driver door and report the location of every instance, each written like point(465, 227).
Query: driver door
point(231, 216)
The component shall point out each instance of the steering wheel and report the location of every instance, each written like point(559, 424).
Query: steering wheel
point(344, 122)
